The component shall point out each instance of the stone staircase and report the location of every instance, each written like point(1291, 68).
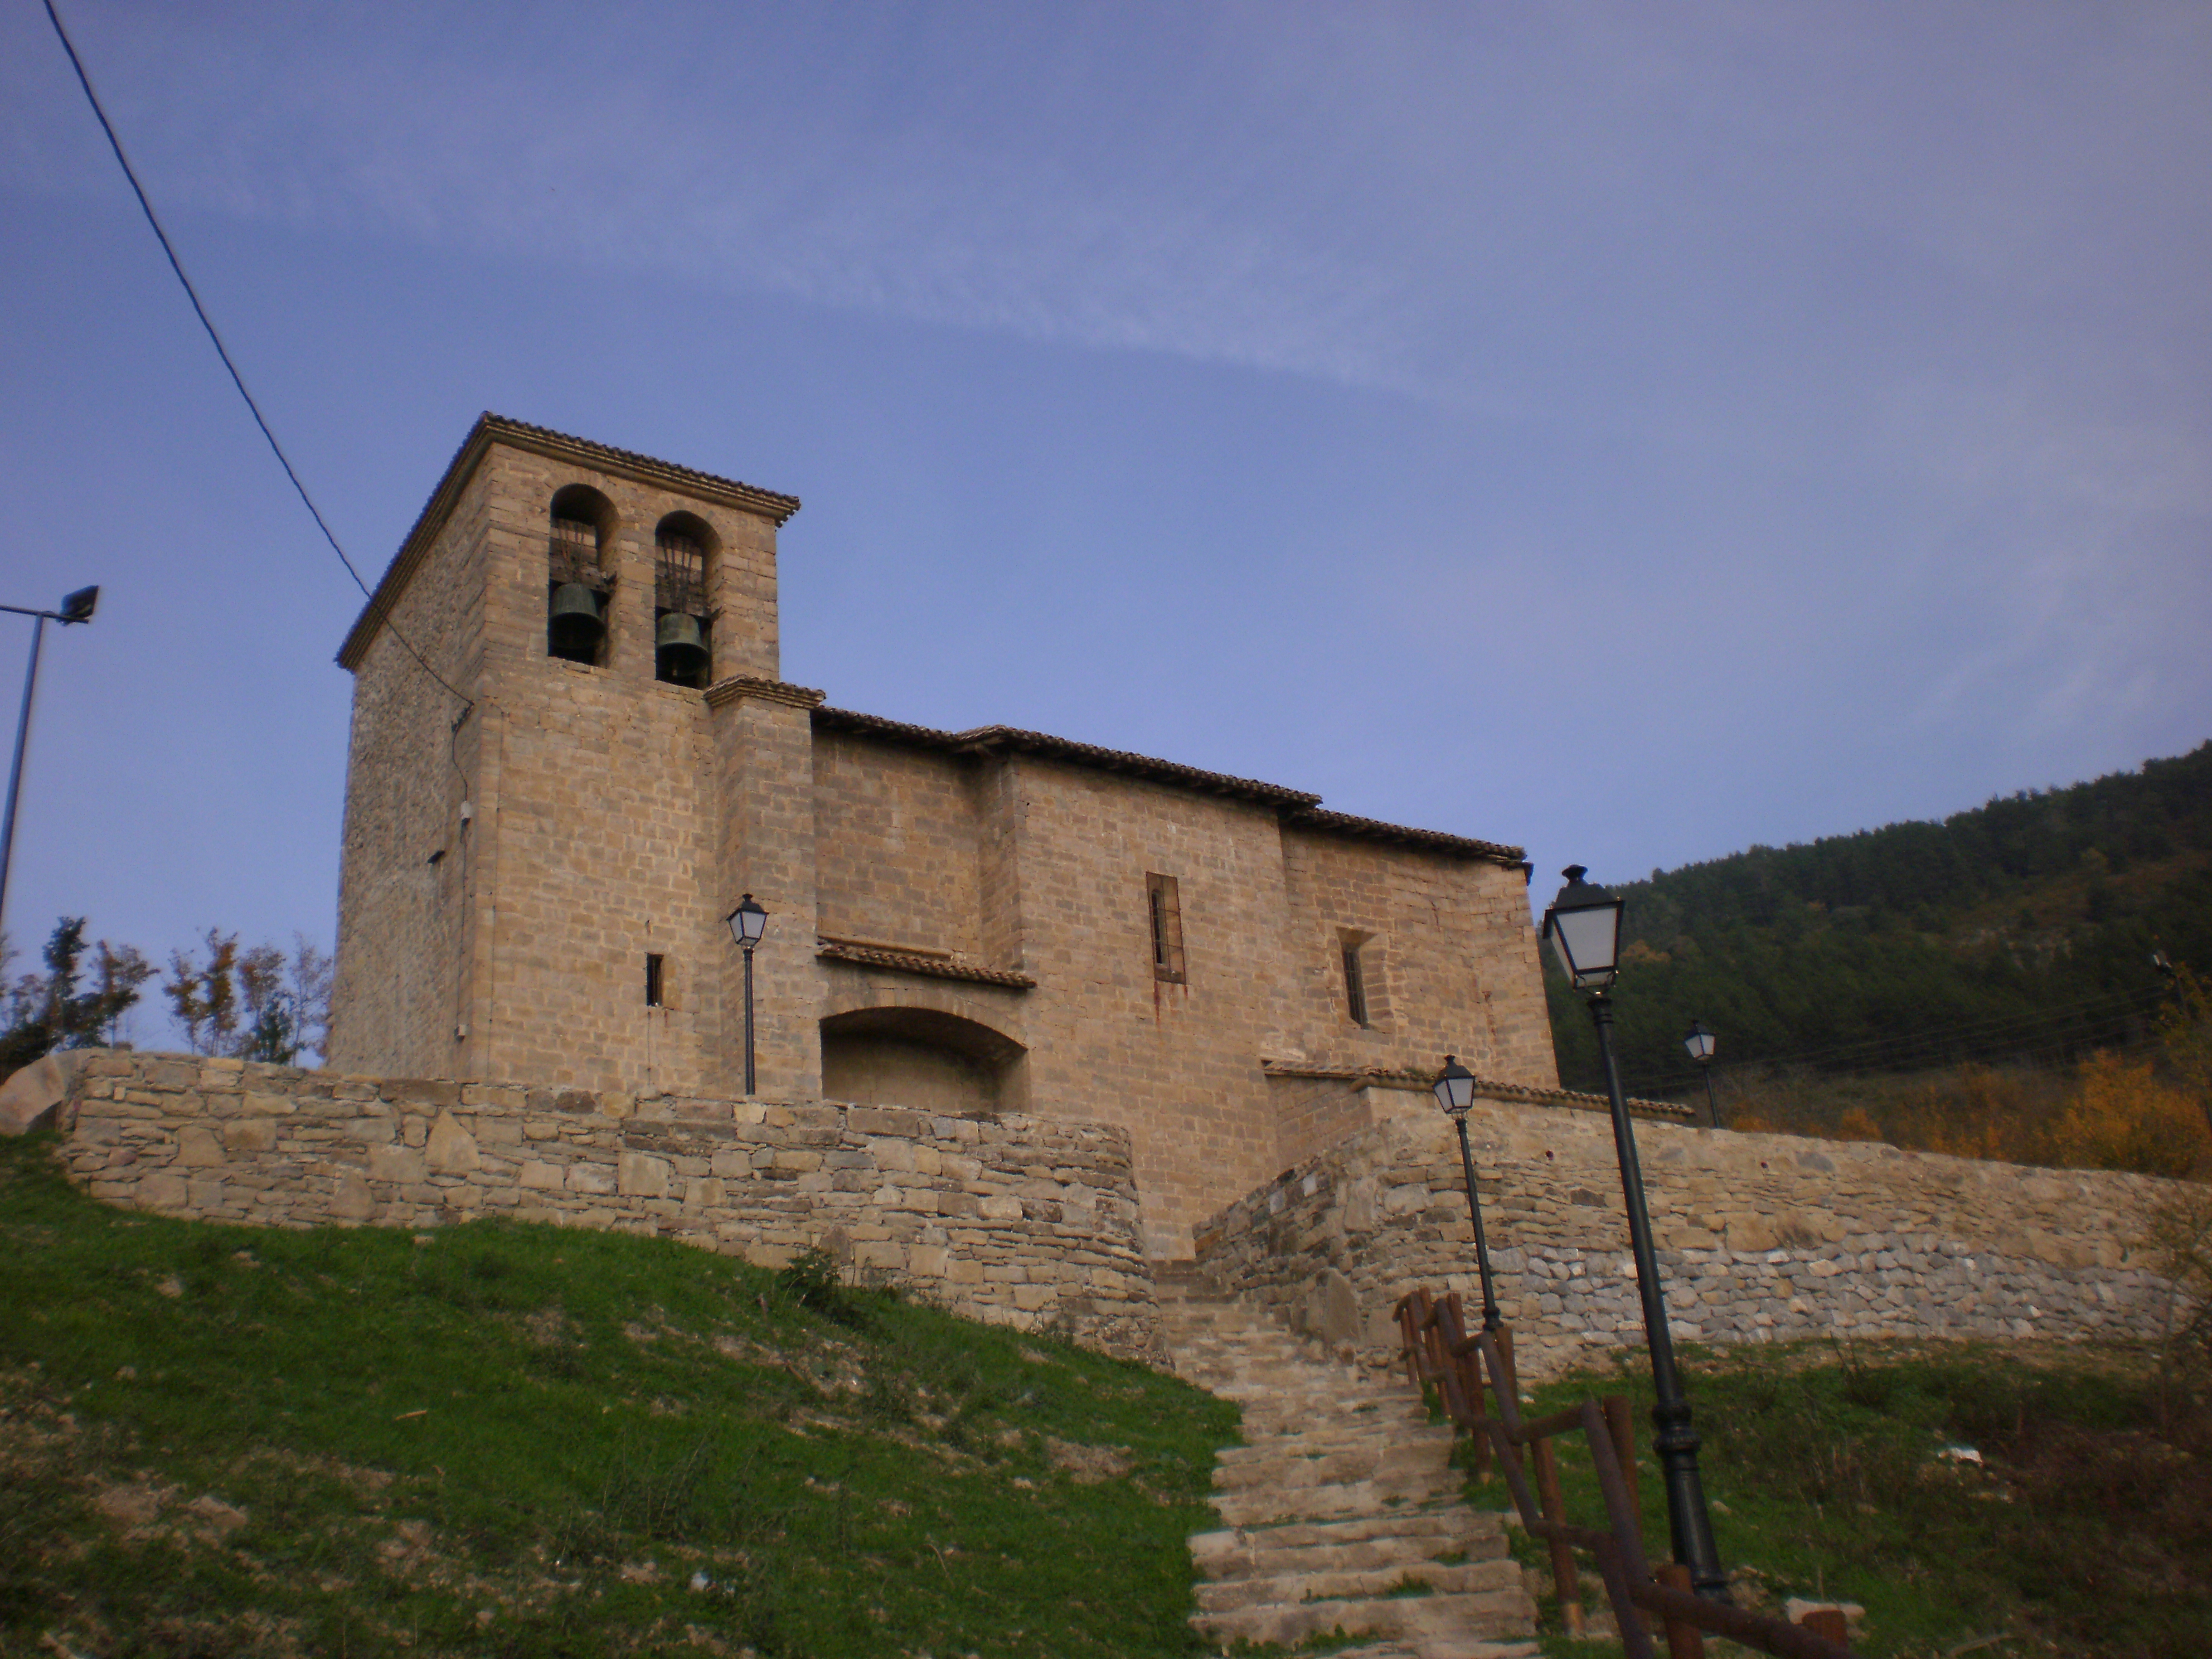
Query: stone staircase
point(1340, 1511)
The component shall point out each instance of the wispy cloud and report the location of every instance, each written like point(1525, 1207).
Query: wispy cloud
point(1798, 235)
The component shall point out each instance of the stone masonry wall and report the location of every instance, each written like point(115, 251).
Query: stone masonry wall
point(408, 862)
point(1017, 1220)
point(1760, 1238)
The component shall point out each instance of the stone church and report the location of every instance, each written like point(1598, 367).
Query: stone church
point(541, 852)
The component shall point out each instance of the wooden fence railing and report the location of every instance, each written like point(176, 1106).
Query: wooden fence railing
point(1440, 1353)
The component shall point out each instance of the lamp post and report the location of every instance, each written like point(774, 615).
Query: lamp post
point(1455, 1091)
point(1584, 926)
point(77, 607)
point(1700, 1043)
point(747, 923)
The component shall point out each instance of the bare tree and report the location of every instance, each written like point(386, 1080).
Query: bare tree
point(56, 1010)
point(254, 1004)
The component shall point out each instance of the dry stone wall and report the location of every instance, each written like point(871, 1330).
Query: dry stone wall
point(1019, 1220)
point(1761, 1238)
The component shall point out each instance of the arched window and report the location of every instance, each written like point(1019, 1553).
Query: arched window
point(576, 576)
point(683, 640)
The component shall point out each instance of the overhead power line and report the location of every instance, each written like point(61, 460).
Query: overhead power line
point(2016, 1034)
point(168, 248)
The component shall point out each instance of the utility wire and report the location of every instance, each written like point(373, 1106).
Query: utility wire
point(223, 352)
point(2059, 1028)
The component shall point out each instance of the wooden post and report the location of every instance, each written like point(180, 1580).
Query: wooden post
point(1621, 1425)
point(1683, 1641)
point(1467, 1368)
point(1828, 1622)
point(1620, 1429)
point(1554, 1508)
point(1409, 1340)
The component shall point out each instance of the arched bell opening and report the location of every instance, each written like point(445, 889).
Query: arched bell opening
point(577, 582)
point(684, 553)
point(918, 1058)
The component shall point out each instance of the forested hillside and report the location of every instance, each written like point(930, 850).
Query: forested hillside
point(2021, 930)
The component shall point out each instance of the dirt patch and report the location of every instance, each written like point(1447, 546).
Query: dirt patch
point(1088, 1464)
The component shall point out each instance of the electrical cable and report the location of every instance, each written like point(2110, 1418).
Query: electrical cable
point(1882, 1053)
point(237, 379)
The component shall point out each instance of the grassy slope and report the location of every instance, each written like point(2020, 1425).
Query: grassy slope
point(2088, 1531)
point(514, 1440)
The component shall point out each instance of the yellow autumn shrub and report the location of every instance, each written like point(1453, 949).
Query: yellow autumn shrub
point(2125, 1117)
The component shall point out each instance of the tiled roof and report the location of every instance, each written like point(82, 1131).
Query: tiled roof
point(987, 738)
point(1343, 823)
point(497, 429)
point(645, 468)
point(933, 967)
point(1299, 808)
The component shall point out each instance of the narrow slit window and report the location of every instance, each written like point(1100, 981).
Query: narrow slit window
point(1167, 928)
point(1355, 986)
point(653, 982)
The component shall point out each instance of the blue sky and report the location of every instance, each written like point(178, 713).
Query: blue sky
point(1632, 432)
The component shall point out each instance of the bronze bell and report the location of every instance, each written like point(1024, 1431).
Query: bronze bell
point(679, 650)
point(575, 627)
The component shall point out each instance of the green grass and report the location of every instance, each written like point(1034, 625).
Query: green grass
point(2088, 1531)
point(513, 1440)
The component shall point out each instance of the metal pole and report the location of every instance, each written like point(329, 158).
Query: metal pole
point(16, 770)
point(1712, 1105)
point(1675, 1442)
point(749, 1021)
point(1490, 1320)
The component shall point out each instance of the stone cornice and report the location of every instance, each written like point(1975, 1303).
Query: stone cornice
point(745, 685)
point(492, 428)
point(1419, 1082)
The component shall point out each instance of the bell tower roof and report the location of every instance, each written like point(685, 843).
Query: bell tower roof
point(492, 428)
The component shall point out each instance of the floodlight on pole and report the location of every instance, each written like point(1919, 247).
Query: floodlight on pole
point(77, 607)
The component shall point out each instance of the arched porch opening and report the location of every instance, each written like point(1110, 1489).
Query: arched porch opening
point(922, 1059)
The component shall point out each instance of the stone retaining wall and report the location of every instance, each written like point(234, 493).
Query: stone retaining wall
point(1760, 1238)
point(1019, 1220)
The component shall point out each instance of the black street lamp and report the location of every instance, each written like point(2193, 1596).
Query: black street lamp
point(1455, 1091)
point(77, 607)
point(747, 923)
point(1701, 1043)
point(1584, 926)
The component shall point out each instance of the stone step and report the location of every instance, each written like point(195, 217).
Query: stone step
point(1359, 1583)
point(1260, 1560)
point(1480, 1614)
point(1440, 1647)
point(1317, 1438)
point(1266, 1415)
point(1263, 1507)
point(1336, 1509)
point(1268, 1464)
point(1436, 1530)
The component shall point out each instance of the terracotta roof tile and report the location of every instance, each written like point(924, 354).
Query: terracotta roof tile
point(1299, 808)
point(1343, 823)
point(932, 967)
